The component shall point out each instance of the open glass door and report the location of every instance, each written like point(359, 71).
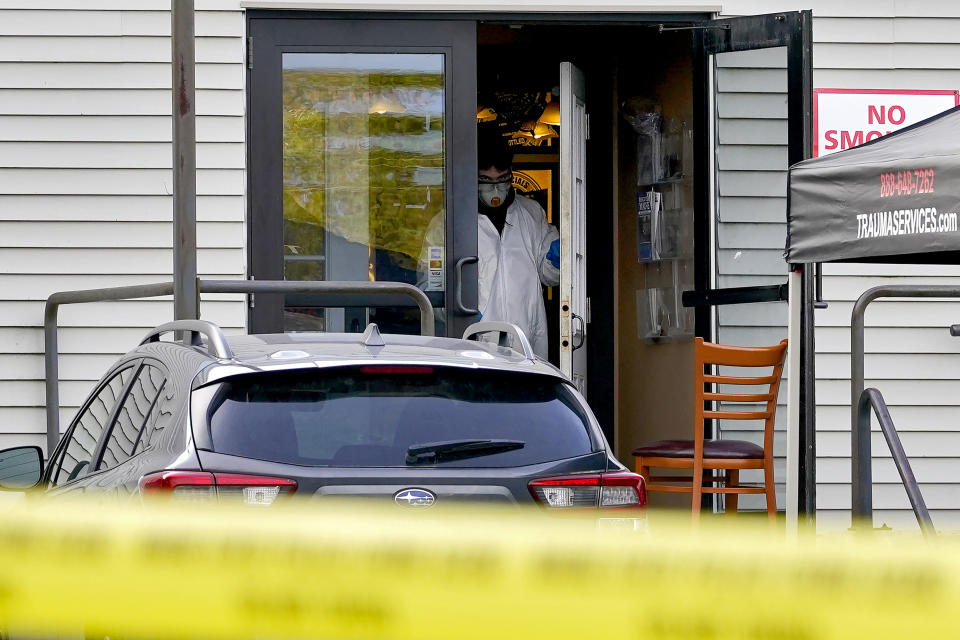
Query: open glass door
point(362, 166)
point(757, 70)
point(574, 305)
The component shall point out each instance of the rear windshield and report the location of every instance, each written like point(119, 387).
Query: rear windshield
point(371, 416)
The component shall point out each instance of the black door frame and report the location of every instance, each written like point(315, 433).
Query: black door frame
point(792, 30)
point(272, 33)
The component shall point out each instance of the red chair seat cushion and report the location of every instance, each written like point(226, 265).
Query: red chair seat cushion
point(711, 449)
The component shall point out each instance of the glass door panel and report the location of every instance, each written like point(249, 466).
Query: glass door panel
point(363, 179)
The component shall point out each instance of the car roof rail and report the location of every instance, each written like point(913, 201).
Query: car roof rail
point(216, 342)
point(503, 329)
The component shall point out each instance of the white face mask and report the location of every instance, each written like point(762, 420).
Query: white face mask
point(493, 194)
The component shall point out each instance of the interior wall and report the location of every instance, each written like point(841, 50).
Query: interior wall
point(654, 377)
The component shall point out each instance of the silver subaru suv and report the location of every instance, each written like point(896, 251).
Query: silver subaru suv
point(415, 421)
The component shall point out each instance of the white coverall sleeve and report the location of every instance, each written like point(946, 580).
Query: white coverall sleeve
point(549, 274)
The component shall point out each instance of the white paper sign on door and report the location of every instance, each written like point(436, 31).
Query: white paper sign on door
point(844, 118)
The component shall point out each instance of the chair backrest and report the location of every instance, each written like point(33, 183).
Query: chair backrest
point(706, 353)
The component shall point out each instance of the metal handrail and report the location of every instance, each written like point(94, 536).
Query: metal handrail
point(871, 398)
point(860, 446)
point(157, 289)
point(216, 342)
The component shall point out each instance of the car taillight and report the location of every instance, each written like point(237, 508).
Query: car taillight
point(602, 490)
point(201, 486)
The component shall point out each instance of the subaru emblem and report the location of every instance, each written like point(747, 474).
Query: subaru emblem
point(415, 498)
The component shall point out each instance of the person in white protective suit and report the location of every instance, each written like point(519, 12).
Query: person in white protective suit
point(518, 249)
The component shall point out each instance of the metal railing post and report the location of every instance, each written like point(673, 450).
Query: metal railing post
point(860, 446)
point(51, 355)
point(185, 306)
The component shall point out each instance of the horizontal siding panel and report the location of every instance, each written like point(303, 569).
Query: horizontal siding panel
point(830, 8)
point(852, 287)
point(768, 184)
point(766, 58)
point(64, 22)
point(905, 417)
point(752, 131)
point(887, 78)
point(113, 235)
point(752, 105)
point(115, 128)
point(40, 287)
point(766, 314)
point(106, 261)
point(90, 339)
point(114, 208)
point(753, 209)
point(749, 281)
point(893, 366)
point(891, 496)
point(738, 235)
point(72, 366)
point(19, 439)
point(754, 262)
point(122, 75)
point(927, 8)
point(888, 340)
point(116, 155)
point(895, 392)
point(854, 56)
point(109, 101)
point(114, 49)
point(926, 470)
point(731, 80)
point(886, 313)
point(120, 181)
point(916, 444)
point(752, 158)
point(871, 269)
point(860, 29)
point(32, 419)
point(123, 313)
point(926, 29)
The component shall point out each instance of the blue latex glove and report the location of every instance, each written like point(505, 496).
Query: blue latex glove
point(554, 254)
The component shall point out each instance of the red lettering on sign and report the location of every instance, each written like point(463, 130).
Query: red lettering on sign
point(900, 110)
point(879, 115)
point(846, 141)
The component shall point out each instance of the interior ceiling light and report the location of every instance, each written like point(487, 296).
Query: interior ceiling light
point(551, 114)
point(543, 130)
point(486, 114)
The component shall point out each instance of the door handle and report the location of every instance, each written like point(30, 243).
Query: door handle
point(583, 332)
point(459, 308)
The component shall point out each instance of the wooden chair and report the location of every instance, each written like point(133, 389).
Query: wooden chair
point(702, 456)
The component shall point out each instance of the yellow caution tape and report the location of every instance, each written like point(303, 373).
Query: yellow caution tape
point(310, 572)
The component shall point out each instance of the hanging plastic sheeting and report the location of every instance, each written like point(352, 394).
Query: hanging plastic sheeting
point(885, 201)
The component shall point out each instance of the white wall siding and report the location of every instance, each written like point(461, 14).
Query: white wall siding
point(85, 183)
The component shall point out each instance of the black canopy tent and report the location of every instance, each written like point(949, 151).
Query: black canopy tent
point(895, 199)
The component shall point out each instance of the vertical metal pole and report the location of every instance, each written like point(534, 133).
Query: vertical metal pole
point(808, 392)
point(795, 308)
point(861, 485)
point(184, 163)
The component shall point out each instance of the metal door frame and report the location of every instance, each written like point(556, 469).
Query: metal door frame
point(269, 35)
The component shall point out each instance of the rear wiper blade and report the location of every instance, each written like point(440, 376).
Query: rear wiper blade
point(428, 452)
